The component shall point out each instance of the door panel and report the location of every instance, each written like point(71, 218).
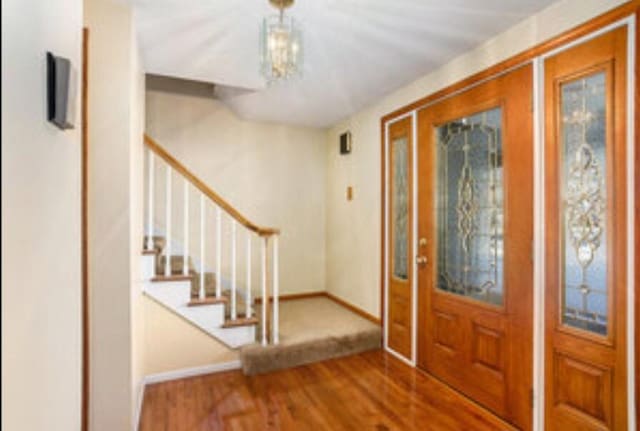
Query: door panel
point(400, 263)
point(475, 214)
point(585, 100)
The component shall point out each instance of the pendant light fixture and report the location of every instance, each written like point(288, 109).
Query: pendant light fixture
point(280, 45)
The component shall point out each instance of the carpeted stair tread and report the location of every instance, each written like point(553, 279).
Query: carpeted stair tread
point(241, 306)
point(207, 301)
point(158, 243)
point(240, 321)
point(209, 284)
point(172, 277)
point(176, 267)
point(258, 359)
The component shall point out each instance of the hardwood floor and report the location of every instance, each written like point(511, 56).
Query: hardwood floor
point(369, 391)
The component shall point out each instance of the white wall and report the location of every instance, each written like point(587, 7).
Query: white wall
point(41, 325)
point(353, 228)
point(273, 174)
point(116, 112)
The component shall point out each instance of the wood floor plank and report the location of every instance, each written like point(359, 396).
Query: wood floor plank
point(368, 391)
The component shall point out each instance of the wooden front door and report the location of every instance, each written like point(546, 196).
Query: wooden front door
point(400, 262)
point(475, 229)
point(585, 104)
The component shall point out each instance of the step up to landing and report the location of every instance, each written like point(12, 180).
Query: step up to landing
point(311, 330)
point(257, 359)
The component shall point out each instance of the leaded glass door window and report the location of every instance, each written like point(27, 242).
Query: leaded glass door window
point(470, 207)
point(400, 207)
point(583, 211)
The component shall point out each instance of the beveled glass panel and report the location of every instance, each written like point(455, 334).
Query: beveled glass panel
point(469, 201)
point(400, 208)
point(583, 210)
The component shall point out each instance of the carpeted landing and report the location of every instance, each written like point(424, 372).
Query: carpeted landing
point(311, 330)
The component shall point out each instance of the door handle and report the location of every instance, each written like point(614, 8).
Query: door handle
point(421, 260)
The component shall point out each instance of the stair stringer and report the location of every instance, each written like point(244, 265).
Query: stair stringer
point(174, 295)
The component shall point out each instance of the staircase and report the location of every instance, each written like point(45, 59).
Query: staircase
point(213, 291)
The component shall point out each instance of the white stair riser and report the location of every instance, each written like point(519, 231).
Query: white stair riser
point(171, 293)
point(148, 266)
point(176, 294)
point(208, 317)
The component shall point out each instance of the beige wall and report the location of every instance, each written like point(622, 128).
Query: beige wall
point(41, 326)
point(353, 228)
point(116, 112)
point(171, 343)
point(273, 174)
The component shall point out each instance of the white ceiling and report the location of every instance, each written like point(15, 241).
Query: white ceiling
point(355, 51)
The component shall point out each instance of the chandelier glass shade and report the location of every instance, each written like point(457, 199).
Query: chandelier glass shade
point(280, 46)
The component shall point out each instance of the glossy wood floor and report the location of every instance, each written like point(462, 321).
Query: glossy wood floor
point(369, 391)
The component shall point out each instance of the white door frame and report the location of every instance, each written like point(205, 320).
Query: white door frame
point(414, 282)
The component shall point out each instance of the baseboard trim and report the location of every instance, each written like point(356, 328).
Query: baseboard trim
point(353, 308)
point(192, 372)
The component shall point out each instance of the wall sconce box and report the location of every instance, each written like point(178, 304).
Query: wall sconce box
point(61, 91)
point(345, 143)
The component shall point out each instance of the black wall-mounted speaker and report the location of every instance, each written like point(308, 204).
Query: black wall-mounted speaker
point(61, 91)
point(345, 143)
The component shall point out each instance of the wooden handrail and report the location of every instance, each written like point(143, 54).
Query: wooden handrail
point(175, 164)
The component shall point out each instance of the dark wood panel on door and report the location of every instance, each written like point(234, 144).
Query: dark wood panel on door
point(585, 336)
point(475, 219)
point(400, 250)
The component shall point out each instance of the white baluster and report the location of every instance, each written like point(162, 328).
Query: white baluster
point(201, 293)
point(265, 298)
point(218, 252)
point(234, 314)
point(185, 258)
point(150, 209)
point(167, 264)
point(248, 280)
point(275, 336)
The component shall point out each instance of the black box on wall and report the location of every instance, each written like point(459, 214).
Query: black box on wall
point(345, 143)
point(61, 91)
